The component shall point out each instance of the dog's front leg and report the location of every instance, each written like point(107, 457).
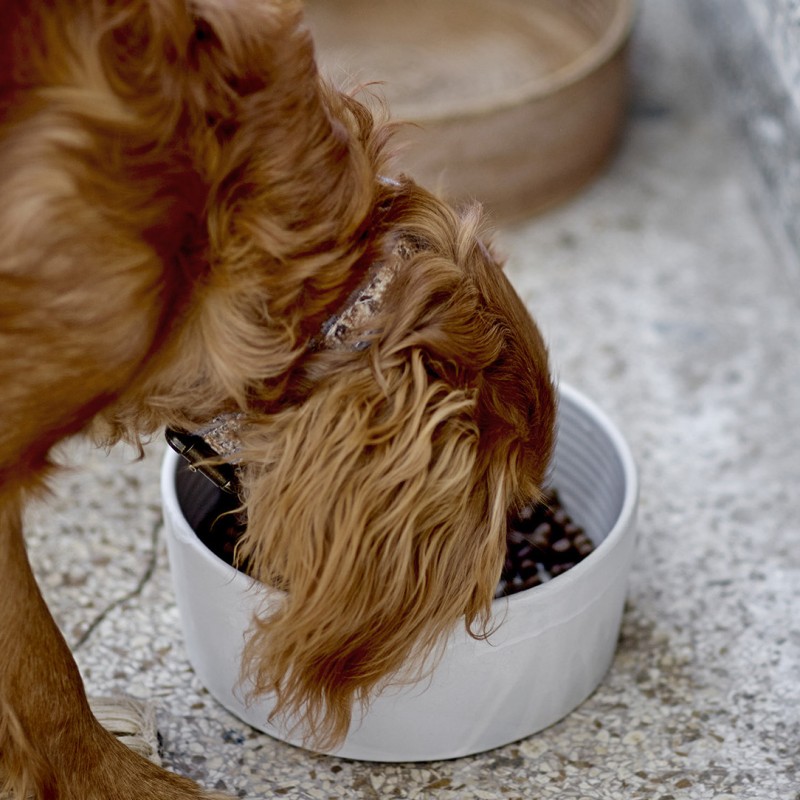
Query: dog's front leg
point(50, 744)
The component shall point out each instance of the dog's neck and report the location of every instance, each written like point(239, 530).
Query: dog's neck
point(343, 330)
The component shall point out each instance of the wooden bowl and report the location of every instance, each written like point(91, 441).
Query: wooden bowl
point(516, 103)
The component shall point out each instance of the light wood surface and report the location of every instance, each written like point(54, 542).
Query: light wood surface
point(517, 103)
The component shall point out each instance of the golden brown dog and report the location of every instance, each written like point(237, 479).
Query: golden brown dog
point(184, 207)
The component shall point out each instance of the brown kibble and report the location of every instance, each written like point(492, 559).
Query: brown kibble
point(528, 567)
point(525, 551)
point(526, 513)
point(584, 549)
point(561, 546)
point(542, 531)
point(553, 545)
point(516, 537)
point(560, 517)
point(533, 580)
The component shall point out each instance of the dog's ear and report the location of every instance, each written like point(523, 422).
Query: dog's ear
point(379, 503)
point(369, 513)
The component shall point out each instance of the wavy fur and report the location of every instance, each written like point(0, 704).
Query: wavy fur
point(379, 500)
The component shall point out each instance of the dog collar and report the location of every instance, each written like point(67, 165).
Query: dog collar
point(219, 438)
point(364, 303)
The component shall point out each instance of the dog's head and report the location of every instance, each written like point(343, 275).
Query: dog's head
point(378, 493)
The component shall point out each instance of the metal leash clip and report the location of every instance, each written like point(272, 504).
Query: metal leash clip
point(198, 453)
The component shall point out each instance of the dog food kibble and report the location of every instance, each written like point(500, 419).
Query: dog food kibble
point(542, 541)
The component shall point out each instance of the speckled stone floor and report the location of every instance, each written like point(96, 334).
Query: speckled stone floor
point(667, 295)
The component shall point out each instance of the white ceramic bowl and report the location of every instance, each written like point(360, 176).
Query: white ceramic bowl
point(550, 651)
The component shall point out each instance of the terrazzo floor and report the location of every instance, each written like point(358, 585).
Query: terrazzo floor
point(667, 295)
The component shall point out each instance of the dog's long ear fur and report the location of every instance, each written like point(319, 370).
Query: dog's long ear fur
point(380, 501)
point(367, 515)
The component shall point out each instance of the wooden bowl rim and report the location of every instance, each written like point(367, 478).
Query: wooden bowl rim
point(603, 50)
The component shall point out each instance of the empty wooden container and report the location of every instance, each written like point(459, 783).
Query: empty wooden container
point(517, 103)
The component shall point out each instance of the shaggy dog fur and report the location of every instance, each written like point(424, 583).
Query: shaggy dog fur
point(184, 204)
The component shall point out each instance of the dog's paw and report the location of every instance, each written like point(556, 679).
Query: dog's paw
point(113, 771)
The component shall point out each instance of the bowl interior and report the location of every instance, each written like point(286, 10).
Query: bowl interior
point(437, 61)
point(591, 469)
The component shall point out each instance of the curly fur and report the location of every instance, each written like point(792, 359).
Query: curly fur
point(184, 202)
